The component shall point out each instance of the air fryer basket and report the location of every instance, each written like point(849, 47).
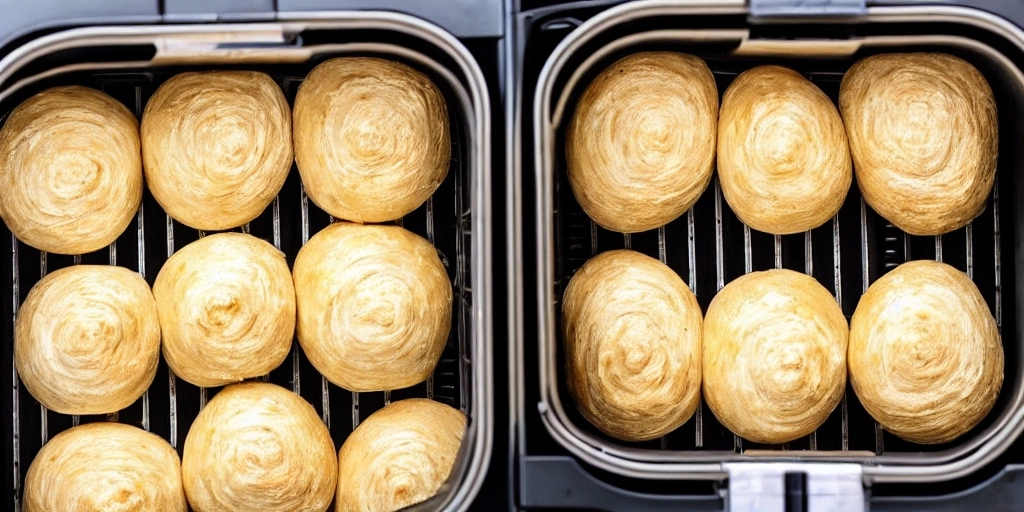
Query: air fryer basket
point(129, 63)
point(708, 246)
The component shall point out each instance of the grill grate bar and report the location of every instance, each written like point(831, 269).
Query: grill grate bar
point(998, 267)
point(15, 382)
point(938, 248)
point(663, 257)
point(627, 241)
point(844, 412)
point(141, 248)
point(44, 427)
point(812, 440)
point(865, 282)
point(748, 257)
point(969, 236)
point(429, 207)
point(778, 251)
point(691, 255)
point(172, 392)
point(737, 442)
point(113, 261)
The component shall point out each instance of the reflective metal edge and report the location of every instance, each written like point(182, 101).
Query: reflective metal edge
point(193, 42)
point(708, 465)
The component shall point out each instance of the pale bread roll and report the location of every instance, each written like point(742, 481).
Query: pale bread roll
point(374, 306)
point(774, 355)
point(216, 146)
point(258, 447)
point(87, 339)
point(371, 138)
point(632, 345)
point(924, 137)
point(641, 145)
point(104, 467)
point(70, 170)
point(783, 159)
point(925, 355)
point(398, 456)
point(227, 309)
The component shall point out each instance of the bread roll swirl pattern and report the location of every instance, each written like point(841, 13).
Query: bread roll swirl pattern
point(217, 146)
point(70, 170)
point(258, 446)
point(371, 138)
point(925, 355)
point(398, 456)
point(374, 306)
point(783, 158)
point(632, 343)
point(227, 309)
point(924, 138)
point(87, 339)
point(774, 355)
point(641, 145)
point(105, 466)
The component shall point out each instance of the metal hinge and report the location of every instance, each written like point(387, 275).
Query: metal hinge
point(792, 487)
point(808, 7)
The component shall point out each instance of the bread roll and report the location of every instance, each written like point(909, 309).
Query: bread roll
point(258, 447)
point(104, 466)
point(217, 146)
point(924, 137)
point(641, 145)
point(783, 160)
point(70, 170)
point(371, 138)
point(925, 355)
point(632, 345)
point(774, 355)
point(375, 306)
point(227, 309)
point(398, 456)
point(87, 339)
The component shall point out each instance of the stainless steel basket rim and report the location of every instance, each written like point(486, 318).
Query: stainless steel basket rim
point(200, 44)
point(637, 463)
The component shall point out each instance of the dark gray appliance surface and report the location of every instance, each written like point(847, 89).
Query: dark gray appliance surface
point(548, 476)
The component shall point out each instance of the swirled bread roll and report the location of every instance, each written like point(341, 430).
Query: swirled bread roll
point(374, 306)
point(258, 447)
point(227, 309)
point(104, 466)
point(87, 339)
point(632, 345)
point(924, 138)
point(925, 356)
point(371, 138)
point(70, 170)
point(774, 355)
point(398, 456)
point(783, 160)
point(641, 145)
point(217, 146)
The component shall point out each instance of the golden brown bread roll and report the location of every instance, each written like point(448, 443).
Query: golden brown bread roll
point(924, 138)
point(258, 447)
point(87, 339)
point(217, 146)
point(783, 160)
point(398, 456)
point(371, 138)
point(641, 145)
point(70, 170)
point(774, 355)
point(227, 309)
point(632, 345)
point(925, 356)
point(104, 467)
point(374, 306)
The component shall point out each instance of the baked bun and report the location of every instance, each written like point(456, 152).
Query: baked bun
point(375, 306)
point(641, 146)
point(70, 170)
point(87, 339)
point(925, 355)
point(924, 137)
point(398, 456)
point(371, 138)
point(783, 160)
point(258, 447)
point(774, 355)
point(632, 345)
point(227, 309)
point(104, 466)
point(217, 146)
